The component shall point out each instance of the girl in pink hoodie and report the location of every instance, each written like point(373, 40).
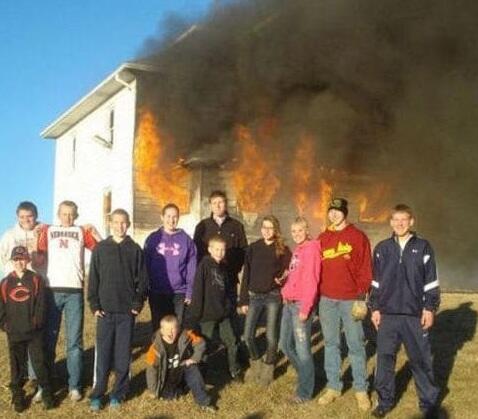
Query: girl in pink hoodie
point(300, 294)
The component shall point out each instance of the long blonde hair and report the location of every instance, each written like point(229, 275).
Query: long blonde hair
point(279, 243)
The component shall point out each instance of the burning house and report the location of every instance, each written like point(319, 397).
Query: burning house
point(284, 104)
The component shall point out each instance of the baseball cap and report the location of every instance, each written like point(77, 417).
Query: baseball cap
point(20, 252)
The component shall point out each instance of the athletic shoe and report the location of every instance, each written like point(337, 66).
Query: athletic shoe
point(19, 403)
point(210, 408)
point(38, 397)
point(380, 412)
point(363, 401)
point(328, 397)
point(75, 395)
point(95, 405)
point(115, 403)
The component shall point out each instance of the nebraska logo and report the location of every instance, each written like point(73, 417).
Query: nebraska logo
point(19, 294)
point(63, 243)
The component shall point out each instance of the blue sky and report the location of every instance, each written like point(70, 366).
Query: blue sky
point(52, 52)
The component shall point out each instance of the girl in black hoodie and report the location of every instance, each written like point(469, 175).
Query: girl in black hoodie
point(264, 270)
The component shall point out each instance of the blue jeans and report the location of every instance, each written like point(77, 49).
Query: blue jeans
point(72, 304)
point(332, 314)
point(271, 301)
point(296, 345)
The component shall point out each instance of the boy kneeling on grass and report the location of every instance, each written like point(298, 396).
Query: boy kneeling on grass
point(22, 316)
point(116, 292)
point(172, 360)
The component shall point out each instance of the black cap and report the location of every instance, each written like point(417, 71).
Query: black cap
point(20, 252)
point(339, 204)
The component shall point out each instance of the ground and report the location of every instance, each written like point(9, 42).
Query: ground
point(455, 349)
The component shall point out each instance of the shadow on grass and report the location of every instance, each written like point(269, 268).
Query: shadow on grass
point(453, 328)
point(256, 415)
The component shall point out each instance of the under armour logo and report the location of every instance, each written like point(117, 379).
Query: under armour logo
point(161, 248)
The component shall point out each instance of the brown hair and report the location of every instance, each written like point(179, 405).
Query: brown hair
point(217, 194)
point(279, 243)
point(403, 208)
point(28, 206)
point(168, 206)
point(120, 211)
point(169, 318)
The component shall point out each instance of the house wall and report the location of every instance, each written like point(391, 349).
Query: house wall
point(93, 169)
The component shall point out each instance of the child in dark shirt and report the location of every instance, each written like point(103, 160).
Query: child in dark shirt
point(173, 359)
point(265, 268)
point(22, 315)
point(116, 291)
point(211, 303)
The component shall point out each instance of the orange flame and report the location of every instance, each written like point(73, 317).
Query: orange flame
point(302, 171)
point(374, 209)
point(322, 203)
point(254, 180)
point(162, 179)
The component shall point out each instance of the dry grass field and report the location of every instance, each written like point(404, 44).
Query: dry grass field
point(456, 365)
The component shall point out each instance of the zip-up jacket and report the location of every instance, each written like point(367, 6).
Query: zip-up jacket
point(118, 281)
point(22, 305)
point(346, 263)
point(171, 262)
point(232, 231)
point(190, 346)
point(304, 276)
point(211, 299)
point(404, 281)
point(261, 267)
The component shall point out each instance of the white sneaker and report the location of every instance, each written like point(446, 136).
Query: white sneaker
point(38, 397)
point(75, 395)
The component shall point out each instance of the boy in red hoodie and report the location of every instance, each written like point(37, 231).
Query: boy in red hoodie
point(346, 278)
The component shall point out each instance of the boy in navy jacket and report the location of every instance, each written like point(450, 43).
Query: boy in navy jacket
point(404, 297)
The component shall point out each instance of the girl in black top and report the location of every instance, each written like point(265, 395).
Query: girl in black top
point(265, 267)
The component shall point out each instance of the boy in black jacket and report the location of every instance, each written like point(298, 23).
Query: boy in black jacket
point(211, 303)
point(116, 292)
point(404, 297)
point(173, 359)
point(22, 316)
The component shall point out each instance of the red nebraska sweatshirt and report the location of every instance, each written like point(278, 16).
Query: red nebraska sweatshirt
point(346, 263)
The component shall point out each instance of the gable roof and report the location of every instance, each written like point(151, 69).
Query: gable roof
point(116, 81)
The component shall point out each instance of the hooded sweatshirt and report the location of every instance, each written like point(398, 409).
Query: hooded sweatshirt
point(304, 276)
point(118, 281)
point(171, 262)
point(211, 299)
point(17, 236)
point(346, 263)
point(22, 305)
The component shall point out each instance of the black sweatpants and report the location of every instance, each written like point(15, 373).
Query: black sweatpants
point(19, 352)
point(393, 330)
point(114, 333)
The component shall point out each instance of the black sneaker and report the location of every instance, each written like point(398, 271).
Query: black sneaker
point(237, 377)
point(48, 400)
point(432, 413)
point(19, 404)
point(380, 412)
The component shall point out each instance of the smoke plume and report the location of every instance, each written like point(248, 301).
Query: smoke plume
point(386, 88)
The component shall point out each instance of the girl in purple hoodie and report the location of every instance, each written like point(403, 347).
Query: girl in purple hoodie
point(170, 256)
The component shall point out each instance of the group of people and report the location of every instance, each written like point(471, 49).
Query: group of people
point(196, 292)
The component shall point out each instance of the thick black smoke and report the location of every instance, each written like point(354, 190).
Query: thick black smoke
point(386, 88)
